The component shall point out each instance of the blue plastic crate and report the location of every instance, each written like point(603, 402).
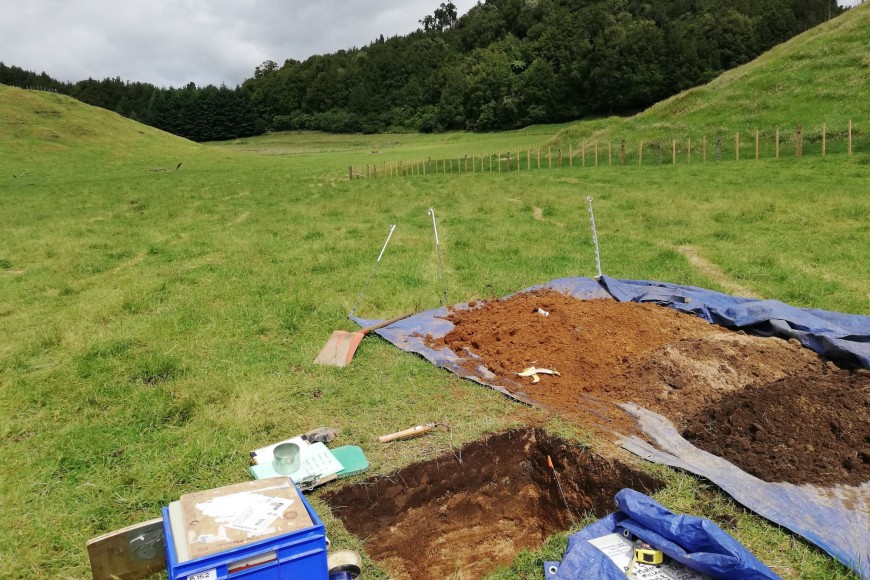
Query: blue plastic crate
point(299, 555)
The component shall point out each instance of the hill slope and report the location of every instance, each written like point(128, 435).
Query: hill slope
point(821, 76)
point(52, 127)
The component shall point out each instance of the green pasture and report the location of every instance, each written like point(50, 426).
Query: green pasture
point(819, 79)
point(159, 324)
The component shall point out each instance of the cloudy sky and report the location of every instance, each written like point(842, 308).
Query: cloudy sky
point(173, 42)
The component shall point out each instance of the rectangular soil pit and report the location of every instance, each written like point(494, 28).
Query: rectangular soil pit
point(463, 514)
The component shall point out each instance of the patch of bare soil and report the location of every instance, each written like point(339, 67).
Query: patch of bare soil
point(799, 429)
point(464, 514)
point(719, 386)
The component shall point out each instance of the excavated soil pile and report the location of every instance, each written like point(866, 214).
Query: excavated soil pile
point(464, 514)
point(800, 429)
point(609, 352)
point(768, 405)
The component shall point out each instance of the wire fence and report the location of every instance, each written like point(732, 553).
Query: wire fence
point(35, 88)
point(773, 143)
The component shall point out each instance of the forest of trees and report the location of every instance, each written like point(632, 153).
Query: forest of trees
point(505, 64)
point(198, 113)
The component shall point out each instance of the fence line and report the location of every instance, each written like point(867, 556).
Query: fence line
point(513, 160)
point(35, 88)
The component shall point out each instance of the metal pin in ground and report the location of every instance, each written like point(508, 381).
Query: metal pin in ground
point(561, 493)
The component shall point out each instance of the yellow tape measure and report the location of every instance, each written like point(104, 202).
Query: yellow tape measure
point(646, 554)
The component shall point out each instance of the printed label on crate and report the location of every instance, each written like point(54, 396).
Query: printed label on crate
point(228, 517)
point(249, 512)
point(207, 575)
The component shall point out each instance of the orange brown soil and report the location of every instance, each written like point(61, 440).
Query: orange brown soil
point(675, 364)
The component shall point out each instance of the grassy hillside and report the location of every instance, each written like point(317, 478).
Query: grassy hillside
point(157, 325)
point(821, 76)
point(39, 130)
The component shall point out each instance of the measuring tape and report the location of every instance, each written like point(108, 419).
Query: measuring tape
point(646, 554)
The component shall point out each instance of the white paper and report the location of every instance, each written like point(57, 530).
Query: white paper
point(616, 547)
point(246, 511)
point(620, 550)
point(315, 459)
point(267, 454)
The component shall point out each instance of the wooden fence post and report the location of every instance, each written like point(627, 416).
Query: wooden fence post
point(850, 136)
point(756, 144)
point(539, 157)
point(777, 142)
point(570, 155)
point(673, 152)
point(737, 146)
point(799, 142)
point(623, 152)
point(560, 158)
point(529, 158)
point(549, 157)
point(824, 137)
point(689, 152)
point(519, 159)
point(350, 171)
point(508, 161)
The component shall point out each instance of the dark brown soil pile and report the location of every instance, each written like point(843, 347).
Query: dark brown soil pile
point(800, 429)
point(608, 352)
point(464, 514)
point(768, 405)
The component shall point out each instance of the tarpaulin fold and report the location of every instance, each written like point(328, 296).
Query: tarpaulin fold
point(844, 338)
point(695, 542)
point(836, 519)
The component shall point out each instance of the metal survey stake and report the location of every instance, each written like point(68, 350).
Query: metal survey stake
point(594, 237)
point(561, 493)
point(440, 264)
point(381, 255)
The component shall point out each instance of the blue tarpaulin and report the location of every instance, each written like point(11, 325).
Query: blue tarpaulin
point(694, 542)
point(844, 338)
point(835, 519)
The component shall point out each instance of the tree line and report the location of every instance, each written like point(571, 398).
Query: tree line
point(505, 64)
point(198, 113)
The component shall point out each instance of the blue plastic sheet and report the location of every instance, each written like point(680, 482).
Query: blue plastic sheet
point(695, 542)
point(835, 519)
point(840, 337)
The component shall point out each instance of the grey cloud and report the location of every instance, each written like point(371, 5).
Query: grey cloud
point(168, 42)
